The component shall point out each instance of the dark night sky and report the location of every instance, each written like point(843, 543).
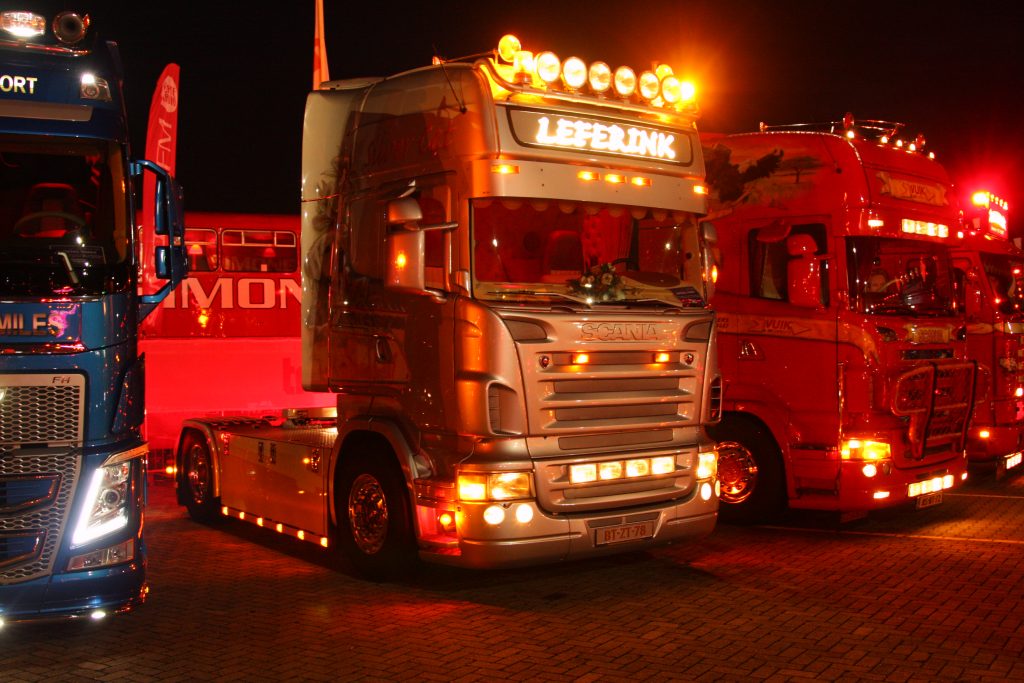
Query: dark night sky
point(951, 70)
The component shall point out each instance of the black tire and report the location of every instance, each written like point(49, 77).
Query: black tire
point(195, 480)
point(375, 531)
point(750, 472)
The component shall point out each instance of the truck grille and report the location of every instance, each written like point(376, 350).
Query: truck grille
point(35, 500)
point(937, 399)
point(618, 391)
point(612, 389)
point(41, 410)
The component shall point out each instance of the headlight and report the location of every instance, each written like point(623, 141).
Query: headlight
point(862, 449)
point(494, 486)
point(105, 506)
point(707, 465)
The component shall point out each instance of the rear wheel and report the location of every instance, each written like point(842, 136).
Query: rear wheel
point(374, 522)
point(196, 479)
point(749, 471)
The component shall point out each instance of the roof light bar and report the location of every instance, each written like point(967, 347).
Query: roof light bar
point(659, 87)
point(23, 24)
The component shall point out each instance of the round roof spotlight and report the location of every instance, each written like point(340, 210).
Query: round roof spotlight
point(663, 70)
point(70, 28)
point(549, 68)
point(508, 46)
point(687, 90)
point(650, 86)
point(625, 81)
point(671, 89)
point(599, 77)
point(574, 73)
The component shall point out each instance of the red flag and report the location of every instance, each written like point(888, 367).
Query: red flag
point(161, 135)
point(320, 73)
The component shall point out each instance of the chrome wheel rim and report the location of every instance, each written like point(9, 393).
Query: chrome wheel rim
point(368, 514)
point(198, 474)
point(737, 472)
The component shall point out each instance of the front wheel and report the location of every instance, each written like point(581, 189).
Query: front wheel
point(374, 523)
point(196, 479)
point(750, 472)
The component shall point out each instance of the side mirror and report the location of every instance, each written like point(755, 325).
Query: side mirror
point(404, 214)
point(803, 272)
point(170, 261)
point(406, 243)
point(404, 268)
point(709, 232)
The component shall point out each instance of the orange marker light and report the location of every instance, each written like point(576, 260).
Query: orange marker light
point(662, 357)
point(581, 359)
point(615, 178)
point(588, 175)
point(505, 169)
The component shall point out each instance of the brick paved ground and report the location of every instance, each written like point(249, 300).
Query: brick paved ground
point(927, 596)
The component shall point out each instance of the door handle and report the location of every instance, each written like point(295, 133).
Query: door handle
point(381, 349)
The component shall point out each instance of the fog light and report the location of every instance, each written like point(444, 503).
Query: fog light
point(718, 488)
point(97, 615)
point(609, 470)
point(638, 468)
point(494, 515)
point(665, 464)
point(869, 470)
point(524, 514)
point(984, 434)
point(880, 495)
point(706, 491)
point(580, 474)
point(947, 481)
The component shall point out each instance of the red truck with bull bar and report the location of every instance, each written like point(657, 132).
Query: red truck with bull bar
point(232, 325)
point(992, 271)
point(841, 346)
point(72, 455)
point(505, 287)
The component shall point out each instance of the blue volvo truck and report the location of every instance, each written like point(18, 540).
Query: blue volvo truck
point(72, 456)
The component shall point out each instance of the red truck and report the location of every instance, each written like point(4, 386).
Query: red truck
point(847, 384)
point(992, 270)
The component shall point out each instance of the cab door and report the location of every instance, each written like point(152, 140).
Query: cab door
point(786, 339)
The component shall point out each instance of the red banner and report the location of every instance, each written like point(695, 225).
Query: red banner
point(161, 134)
point(320, 72)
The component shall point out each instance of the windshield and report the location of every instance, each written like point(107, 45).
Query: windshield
point(1005, 274)
point(591, 253)
point(899, 277)
point(63, 227)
